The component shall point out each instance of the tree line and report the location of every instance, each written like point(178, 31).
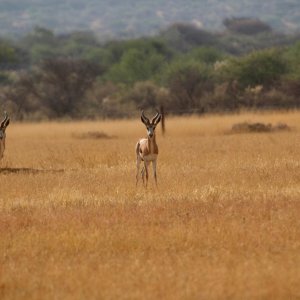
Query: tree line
point(184, 68)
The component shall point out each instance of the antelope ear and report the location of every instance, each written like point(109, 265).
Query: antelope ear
point(7, 122)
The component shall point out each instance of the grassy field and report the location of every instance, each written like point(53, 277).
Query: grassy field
point(224, 222)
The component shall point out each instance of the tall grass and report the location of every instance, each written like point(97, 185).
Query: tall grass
point(223, 224)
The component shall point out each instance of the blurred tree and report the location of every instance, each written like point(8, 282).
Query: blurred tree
point(62, 84)
point(57, 87)
point(41, 43)
point(183, 37)
point(292, 55)
point(146, 95)
point(8, 58)
point(39, 35)
point(98, 55)
point(39, 52)
point(248, 26)
point(144, 45)
point(7, 53)
point(258, 68)
point(187, 81)
point(21, 97)
point(136, 65)
point(77, 44)
point(207, 55)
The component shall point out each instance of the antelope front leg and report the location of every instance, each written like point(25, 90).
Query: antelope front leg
point(143, 175)
point(146, 164)
point(154, 171)
point(138, 163)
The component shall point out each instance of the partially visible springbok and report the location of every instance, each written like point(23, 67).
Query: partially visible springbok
point(146, 149)
point(3, 126)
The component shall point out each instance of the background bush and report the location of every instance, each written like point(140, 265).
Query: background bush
point(186, 69)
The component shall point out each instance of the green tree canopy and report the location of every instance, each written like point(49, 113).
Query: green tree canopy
point(136, 65)
point(292, 56)
point(207, 55)
point(187, 80)
point(7, 52)
point(258, 68)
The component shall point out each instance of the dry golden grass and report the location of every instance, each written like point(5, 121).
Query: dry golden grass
point(223, 224)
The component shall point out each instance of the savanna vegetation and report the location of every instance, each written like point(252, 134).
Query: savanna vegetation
point(186, 69)
point(224, 220)
point(223, 223)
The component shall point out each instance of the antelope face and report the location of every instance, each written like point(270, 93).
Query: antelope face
point(3, 126)
point(2, 142)
point(150, 125)
point(150, 130)
point(2, 134)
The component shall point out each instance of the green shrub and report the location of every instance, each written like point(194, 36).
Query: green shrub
point(258, 68)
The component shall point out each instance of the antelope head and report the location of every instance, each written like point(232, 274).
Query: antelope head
point(151, 125)
point(3, 126)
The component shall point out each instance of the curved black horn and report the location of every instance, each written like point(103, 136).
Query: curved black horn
point(156, 116)
point(144, 118)
point(5, 119)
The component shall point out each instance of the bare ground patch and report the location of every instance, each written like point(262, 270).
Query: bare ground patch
point(248, 127)
point(27, 171)
point(92, 135)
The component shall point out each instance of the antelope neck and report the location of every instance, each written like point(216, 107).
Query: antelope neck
point(151, 143)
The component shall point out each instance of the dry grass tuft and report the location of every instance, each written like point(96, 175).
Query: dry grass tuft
point(92, 135)
point(223, 224)
point(258, 127)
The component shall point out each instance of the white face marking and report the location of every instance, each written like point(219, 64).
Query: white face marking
point(150, 130)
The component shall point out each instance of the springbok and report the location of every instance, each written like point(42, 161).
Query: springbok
point(146, 149)
point(3, 126)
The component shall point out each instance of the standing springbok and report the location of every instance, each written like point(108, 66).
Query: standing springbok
point(3, 126)
point(146, 149)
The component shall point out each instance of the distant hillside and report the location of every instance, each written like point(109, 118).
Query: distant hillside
point(129, 18)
